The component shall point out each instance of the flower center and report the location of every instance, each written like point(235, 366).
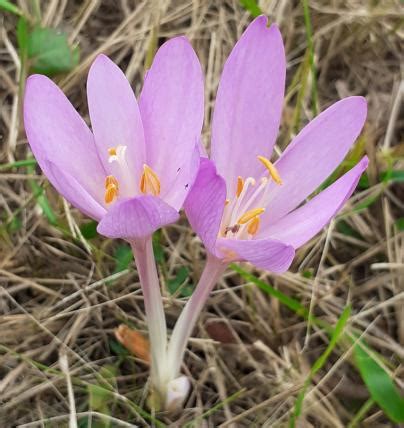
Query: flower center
point(241, 217)
point(121, 181)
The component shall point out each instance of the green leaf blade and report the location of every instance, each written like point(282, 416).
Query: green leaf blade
point(379, 384)
point(50, 52)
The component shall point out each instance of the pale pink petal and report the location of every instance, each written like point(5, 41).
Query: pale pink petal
point(249, 103)
point(205, 203)
point(314, 154)
point(172, 106)
point(56, 132)
point(268, 254)
point(176, 194)
point(115, 116)
point(302, 224)
point(73, 192)
point(136, 217)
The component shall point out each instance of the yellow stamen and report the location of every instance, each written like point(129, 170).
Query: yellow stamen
point(142, 183)
point(110, 179)
point(249, 215)
point(253, 226)
point(149, 181)
point(240, 186)
point(271, 169)
point(111, 192)
point(226, 202)
point(111, 188)
point(112, 151)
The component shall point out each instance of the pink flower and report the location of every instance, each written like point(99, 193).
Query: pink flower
point(134, 170)
point(241, 205)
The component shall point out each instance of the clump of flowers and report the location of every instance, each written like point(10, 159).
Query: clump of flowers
point(141, 164)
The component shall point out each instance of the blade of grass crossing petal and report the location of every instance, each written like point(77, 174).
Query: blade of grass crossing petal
point(379, 384)
point(319, 363)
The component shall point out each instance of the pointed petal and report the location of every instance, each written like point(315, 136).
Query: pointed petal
point(314, 154)
point(136, 218)
point(115, 116)
point(205, 203)
point(172, 107)
point(183, 182)
point(73, 192)
point(268, 254)
point(56, 132)
point(302, 224)
point(249, 103)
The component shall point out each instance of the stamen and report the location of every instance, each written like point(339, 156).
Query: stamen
point(111, 188)
point(110, 179)
point(249, 215)
point(112, 151)
point(240, 186)
point(226, 202)
point(149, 181)
point(253, 226)
point(142, 183)
point(273, 172)
point(117, 154)
point(239, 201)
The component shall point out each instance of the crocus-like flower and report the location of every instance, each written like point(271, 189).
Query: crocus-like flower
point(243, 207)
point(133, 171)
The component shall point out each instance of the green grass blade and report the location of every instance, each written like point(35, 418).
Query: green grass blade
point(10, 7)
point(377, 380)
point(379, 384)
point(361, 413)
point(310, 47)
point(41, 199)
point(252, 7)
point(289, 302)
point(319, 363)
point(17, 164)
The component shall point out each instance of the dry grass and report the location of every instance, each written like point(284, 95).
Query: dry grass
point(59, 299)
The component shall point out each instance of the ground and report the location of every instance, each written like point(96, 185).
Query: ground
point(64, 289)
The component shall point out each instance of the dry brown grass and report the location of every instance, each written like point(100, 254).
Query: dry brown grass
point(250, 355)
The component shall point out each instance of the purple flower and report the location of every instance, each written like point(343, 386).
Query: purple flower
point(134, 170)
point(241, 205)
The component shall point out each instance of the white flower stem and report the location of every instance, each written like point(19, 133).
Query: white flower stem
point(156, 321)
point(214, 268)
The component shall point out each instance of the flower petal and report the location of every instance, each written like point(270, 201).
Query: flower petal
point(115, 116)
point(268, 254)
point(249, 103)
point(183, 182)
point(314, 154)
point(73, 192)
point(172, 106)
point(205, 203)
point(302, 224)
point(136, 217)
point(56, 132)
